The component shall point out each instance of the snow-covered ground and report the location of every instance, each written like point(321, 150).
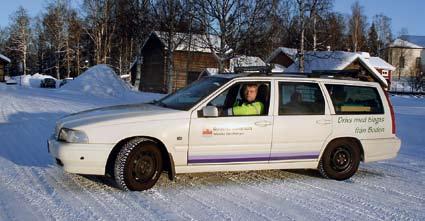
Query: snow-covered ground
point(32, 188)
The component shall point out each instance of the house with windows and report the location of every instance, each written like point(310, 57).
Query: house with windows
point(371, 68)
point(407, 55)
point(3, 63)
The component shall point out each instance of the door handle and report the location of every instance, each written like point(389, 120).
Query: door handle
point(323, 121)
point(263, 123)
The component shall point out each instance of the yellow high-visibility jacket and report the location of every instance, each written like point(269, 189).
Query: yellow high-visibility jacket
point(254, 108)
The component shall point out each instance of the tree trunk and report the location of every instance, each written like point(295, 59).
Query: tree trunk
point(68, 59)
point(57, 68)
point(169, 71)
point(78, 58)
point(314, 32)
point(25, 60)
point(301, 54)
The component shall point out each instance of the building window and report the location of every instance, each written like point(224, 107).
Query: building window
point(385, 73)
point(401, 62)
point(418, 63)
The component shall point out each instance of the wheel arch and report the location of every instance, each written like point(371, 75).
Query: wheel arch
point(168, 164)
point(351, 139)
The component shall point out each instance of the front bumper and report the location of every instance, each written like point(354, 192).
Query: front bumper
point(380, 149)
point(80, 158)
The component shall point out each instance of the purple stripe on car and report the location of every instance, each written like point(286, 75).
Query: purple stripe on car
point(253, 157)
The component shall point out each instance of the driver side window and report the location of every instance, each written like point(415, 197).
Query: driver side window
point(227, 98)
point(234, 96)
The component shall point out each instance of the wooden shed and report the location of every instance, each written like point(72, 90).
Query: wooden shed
point(191, 56)
point(3, 62)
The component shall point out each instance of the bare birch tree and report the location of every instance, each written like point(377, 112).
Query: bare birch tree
point(54, 22)
point(223, 21)
point(357, 27)
point(100, 27)
point(383, 28)
point(20, 36)
point(302, 10)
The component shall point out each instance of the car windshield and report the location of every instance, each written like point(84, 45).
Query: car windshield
point(187, 97)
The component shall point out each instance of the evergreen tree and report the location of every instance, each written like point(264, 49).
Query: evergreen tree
point(372, 40)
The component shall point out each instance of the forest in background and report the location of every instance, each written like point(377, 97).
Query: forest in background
point(63, 40)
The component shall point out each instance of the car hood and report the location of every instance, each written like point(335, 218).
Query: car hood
point(120, 114)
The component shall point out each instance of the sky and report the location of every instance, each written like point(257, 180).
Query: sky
point(8, 7)
point(408, 14)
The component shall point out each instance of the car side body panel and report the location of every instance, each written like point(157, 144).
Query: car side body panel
point(107, 127)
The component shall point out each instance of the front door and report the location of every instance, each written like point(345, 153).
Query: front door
point(302, 122)
point(231, 139)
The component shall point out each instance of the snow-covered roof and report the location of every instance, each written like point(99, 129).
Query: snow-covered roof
point(409, 41)
point(380, 63)
point(209, 72)
point(290, 52)
point(324, 60)
point(335, 60)
point(277, 68)
point(5, 58)
point(245, 61)
point(374, 72)
point(194, 42)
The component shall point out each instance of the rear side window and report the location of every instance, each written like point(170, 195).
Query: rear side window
point(355, 99)
point(297, 98)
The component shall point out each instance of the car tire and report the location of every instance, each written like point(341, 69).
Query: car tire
point(138, 165)
point(340, 160)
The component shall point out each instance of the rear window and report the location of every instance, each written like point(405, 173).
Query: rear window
point(355, 99)
point(298, 98)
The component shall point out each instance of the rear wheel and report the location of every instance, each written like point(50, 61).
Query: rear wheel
point(138, 165)
point(340, 160)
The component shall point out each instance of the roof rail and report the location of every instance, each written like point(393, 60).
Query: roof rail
point(254, 69)
point(350, 74)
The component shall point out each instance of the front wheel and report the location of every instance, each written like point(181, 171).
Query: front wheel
point(340, 160)
point(138, 165)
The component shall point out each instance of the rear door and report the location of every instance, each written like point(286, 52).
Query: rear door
point(359, 112)
point(302, 121)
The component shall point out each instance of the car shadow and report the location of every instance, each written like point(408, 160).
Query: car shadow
point(306, 172)
point(24, 137)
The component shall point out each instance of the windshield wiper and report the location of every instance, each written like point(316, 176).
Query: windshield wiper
point(159, 103)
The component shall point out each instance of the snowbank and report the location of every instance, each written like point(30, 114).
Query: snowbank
point(100, 81)
point(403, 85)
point(32, 80)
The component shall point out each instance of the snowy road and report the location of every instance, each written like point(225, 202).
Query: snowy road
point(32, 188)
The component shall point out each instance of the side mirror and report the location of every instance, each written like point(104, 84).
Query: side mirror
point(210, 111)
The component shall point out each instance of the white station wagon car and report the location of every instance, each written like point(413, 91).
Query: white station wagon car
point(317, 123)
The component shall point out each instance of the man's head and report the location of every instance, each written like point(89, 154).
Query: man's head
point(250, 92)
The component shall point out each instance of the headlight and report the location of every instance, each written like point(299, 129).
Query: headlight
point(72, 136)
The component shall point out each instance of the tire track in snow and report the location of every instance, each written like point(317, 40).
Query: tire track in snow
point(63, 192)
point(233, 202)
point(31, 192)
point(312, 198)
point(194, 205)
point(96, 193)
point(367, 206)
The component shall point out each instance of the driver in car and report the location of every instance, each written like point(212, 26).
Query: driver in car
point(248, 105)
